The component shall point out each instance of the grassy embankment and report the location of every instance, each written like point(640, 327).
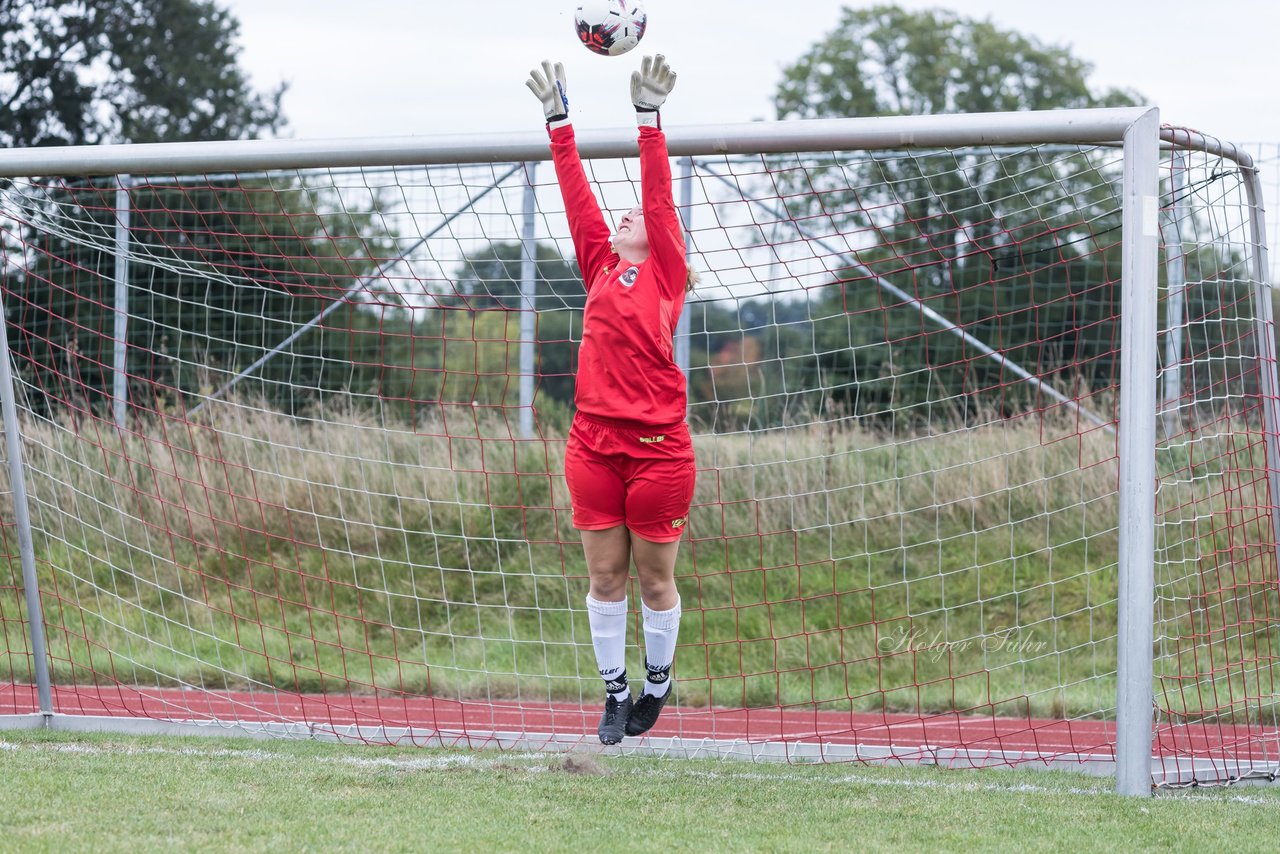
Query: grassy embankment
point(825, 565)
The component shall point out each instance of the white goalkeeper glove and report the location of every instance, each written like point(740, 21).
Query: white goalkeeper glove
point(549, 86)
point(650, 87)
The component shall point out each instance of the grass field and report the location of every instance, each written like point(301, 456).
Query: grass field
point(61, 792)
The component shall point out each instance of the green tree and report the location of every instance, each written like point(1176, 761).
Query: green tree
point(220, 272)
point(75, 72)
point(972, 234)
point(490, 278)
point(487, 284)
point(222, 268)
point(888, 61)
point(752, 363)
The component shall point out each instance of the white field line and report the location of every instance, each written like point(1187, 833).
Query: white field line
point(857, 779)
point(536, 762)
point(418, 763)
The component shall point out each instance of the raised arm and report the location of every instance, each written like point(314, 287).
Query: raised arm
point(587, 227)
point(649, 89)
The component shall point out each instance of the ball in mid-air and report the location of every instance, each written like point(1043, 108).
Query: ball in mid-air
point(610, 27)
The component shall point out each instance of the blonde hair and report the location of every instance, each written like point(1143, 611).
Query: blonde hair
point(691, 281)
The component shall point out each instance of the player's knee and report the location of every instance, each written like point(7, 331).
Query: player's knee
point(657, 586)
point(608, 580)
point(608, 588)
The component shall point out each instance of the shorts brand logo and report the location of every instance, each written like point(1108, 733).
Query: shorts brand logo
point(679, 523)
point(648, 440)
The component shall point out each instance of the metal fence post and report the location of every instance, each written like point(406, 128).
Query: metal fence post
point(686, 216)
point(528, 302)
point(1175, 277)
point(22, 521)
point(120, 350)
point(1264, 336)
point(1137, 446)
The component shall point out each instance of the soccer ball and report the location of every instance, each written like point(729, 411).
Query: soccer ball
point(610, 27)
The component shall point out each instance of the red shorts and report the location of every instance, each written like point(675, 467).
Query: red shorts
point(628, 474)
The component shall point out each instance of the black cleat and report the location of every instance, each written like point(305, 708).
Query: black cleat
point(614, 721)
point(646, 711)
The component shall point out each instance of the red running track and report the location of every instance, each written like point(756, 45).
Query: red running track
point(1044, 738)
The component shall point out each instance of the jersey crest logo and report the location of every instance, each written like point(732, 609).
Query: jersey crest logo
point(628, 277)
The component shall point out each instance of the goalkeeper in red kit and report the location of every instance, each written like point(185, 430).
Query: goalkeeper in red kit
point(629, 460)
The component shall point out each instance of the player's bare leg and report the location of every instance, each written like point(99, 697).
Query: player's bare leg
point(608, 554)
point(656, 567)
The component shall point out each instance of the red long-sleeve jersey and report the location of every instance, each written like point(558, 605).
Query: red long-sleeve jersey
point(626, 365)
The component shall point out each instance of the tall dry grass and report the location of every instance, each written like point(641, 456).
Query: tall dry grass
point(827, 563)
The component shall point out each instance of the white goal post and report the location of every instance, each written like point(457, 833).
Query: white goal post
point(985, 409)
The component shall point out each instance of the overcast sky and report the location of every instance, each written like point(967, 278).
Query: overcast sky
point(389, 67)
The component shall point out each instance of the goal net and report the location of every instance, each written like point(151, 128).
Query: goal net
point(285, 447)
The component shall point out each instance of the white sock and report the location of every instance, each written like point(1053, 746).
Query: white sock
point(609, 637)
point(660, 630)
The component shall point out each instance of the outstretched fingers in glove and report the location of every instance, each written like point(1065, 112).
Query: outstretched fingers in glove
point(549, 86)
point(650, 87)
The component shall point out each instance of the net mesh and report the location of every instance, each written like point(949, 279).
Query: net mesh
point(293, 450)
